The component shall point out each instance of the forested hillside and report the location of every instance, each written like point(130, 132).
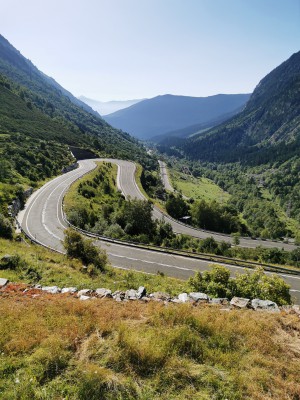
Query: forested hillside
point(43, 93)
point(255, 155)
point(39, 120)
point(268, 130)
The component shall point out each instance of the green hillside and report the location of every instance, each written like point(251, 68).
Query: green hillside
point(268, 130)
point(43, 93)
point(39, 120)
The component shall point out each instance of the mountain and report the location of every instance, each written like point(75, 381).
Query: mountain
point(193, 129)
point(108, 107)
point(267, 130)
point(40, 122)
point(46, 95)
point(167, 113)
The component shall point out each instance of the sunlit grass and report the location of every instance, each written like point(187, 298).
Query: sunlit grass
point(55, 347)
point(197, 188)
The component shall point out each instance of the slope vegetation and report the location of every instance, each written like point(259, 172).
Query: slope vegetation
point(267, 130)
point(43, 93)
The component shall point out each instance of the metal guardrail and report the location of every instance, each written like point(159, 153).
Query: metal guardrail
point(186, 253)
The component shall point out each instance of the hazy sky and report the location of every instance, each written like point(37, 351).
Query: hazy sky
point(126, 49)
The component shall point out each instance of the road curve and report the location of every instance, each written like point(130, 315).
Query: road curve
point(130, 188)
point(42, 220)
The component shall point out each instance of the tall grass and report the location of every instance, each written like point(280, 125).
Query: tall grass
point(55, 347)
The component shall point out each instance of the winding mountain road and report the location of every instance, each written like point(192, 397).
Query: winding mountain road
point(43, 221)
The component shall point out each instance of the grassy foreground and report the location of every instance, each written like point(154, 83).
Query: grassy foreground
point(39, 265)
point(57, 347)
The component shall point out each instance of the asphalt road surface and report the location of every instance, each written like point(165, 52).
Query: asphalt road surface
point(42, 219)
point(165, 177)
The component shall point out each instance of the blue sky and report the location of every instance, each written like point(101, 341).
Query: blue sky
point(127, 49)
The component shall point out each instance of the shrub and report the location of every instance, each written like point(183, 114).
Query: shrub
point(251, 284)
point(84, 249)
point(6, 230)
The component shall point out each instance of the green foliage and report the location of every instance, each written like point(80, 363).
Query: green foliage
point(6, 230)
point(255, 284)
point(176, 206)
point(78, 247)
point(259, 285)
point(94, 204)
point(215, 282)
point(214, 217)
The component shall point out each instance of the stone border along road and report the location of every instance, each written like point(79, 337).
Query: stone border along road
point(43, 221)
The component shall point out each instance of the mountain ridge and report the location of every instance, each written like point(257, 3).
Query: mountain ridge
point(166, 113)
point(108, 107)
point(268, 126)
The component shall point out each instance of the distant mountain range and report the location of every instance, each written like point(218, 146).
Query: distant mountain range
point(268, 129)
point(163, 114)
point(108, 107)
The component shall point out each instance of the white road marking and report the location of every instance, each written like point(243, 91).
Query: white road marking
point(151, 262)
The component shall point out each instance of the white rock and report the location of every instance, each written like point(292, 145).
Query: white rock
point(83, 297)
point(51, 289)
point(141, 292)
point(102, 292)
point(84, 292)
point(266, 305)
point(131, 294)
point(3, 282)
point(239, 302)
point(198, 296)
point(183, 297)
point(69, 290)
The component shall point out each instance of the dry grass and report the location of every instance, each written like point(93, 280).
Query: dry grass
point(58, 347)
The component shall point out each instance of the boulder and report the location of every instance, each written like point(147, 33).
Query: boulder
point(84, 292)
point(160, 296)
point(198, 296)
point(83, 297)
point(131, 294)
point(219, 300)
point(141, 292)
point(296, 309)
point(118, 295)
point(266, 305)
point(3, 282)
point(102, 292)
point(239, 302)
point(69, 290)
point(51, 289)
point(183, 297)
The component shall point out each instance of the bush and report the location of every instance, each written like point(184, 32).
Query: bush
point(6, 230)
point(84, 249)
point(254, 284)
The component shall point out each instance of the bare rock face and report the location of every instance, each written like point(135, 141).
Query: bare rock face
point(239, 302)
point(265, 305)
point(102, 292)
point(198, 296)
